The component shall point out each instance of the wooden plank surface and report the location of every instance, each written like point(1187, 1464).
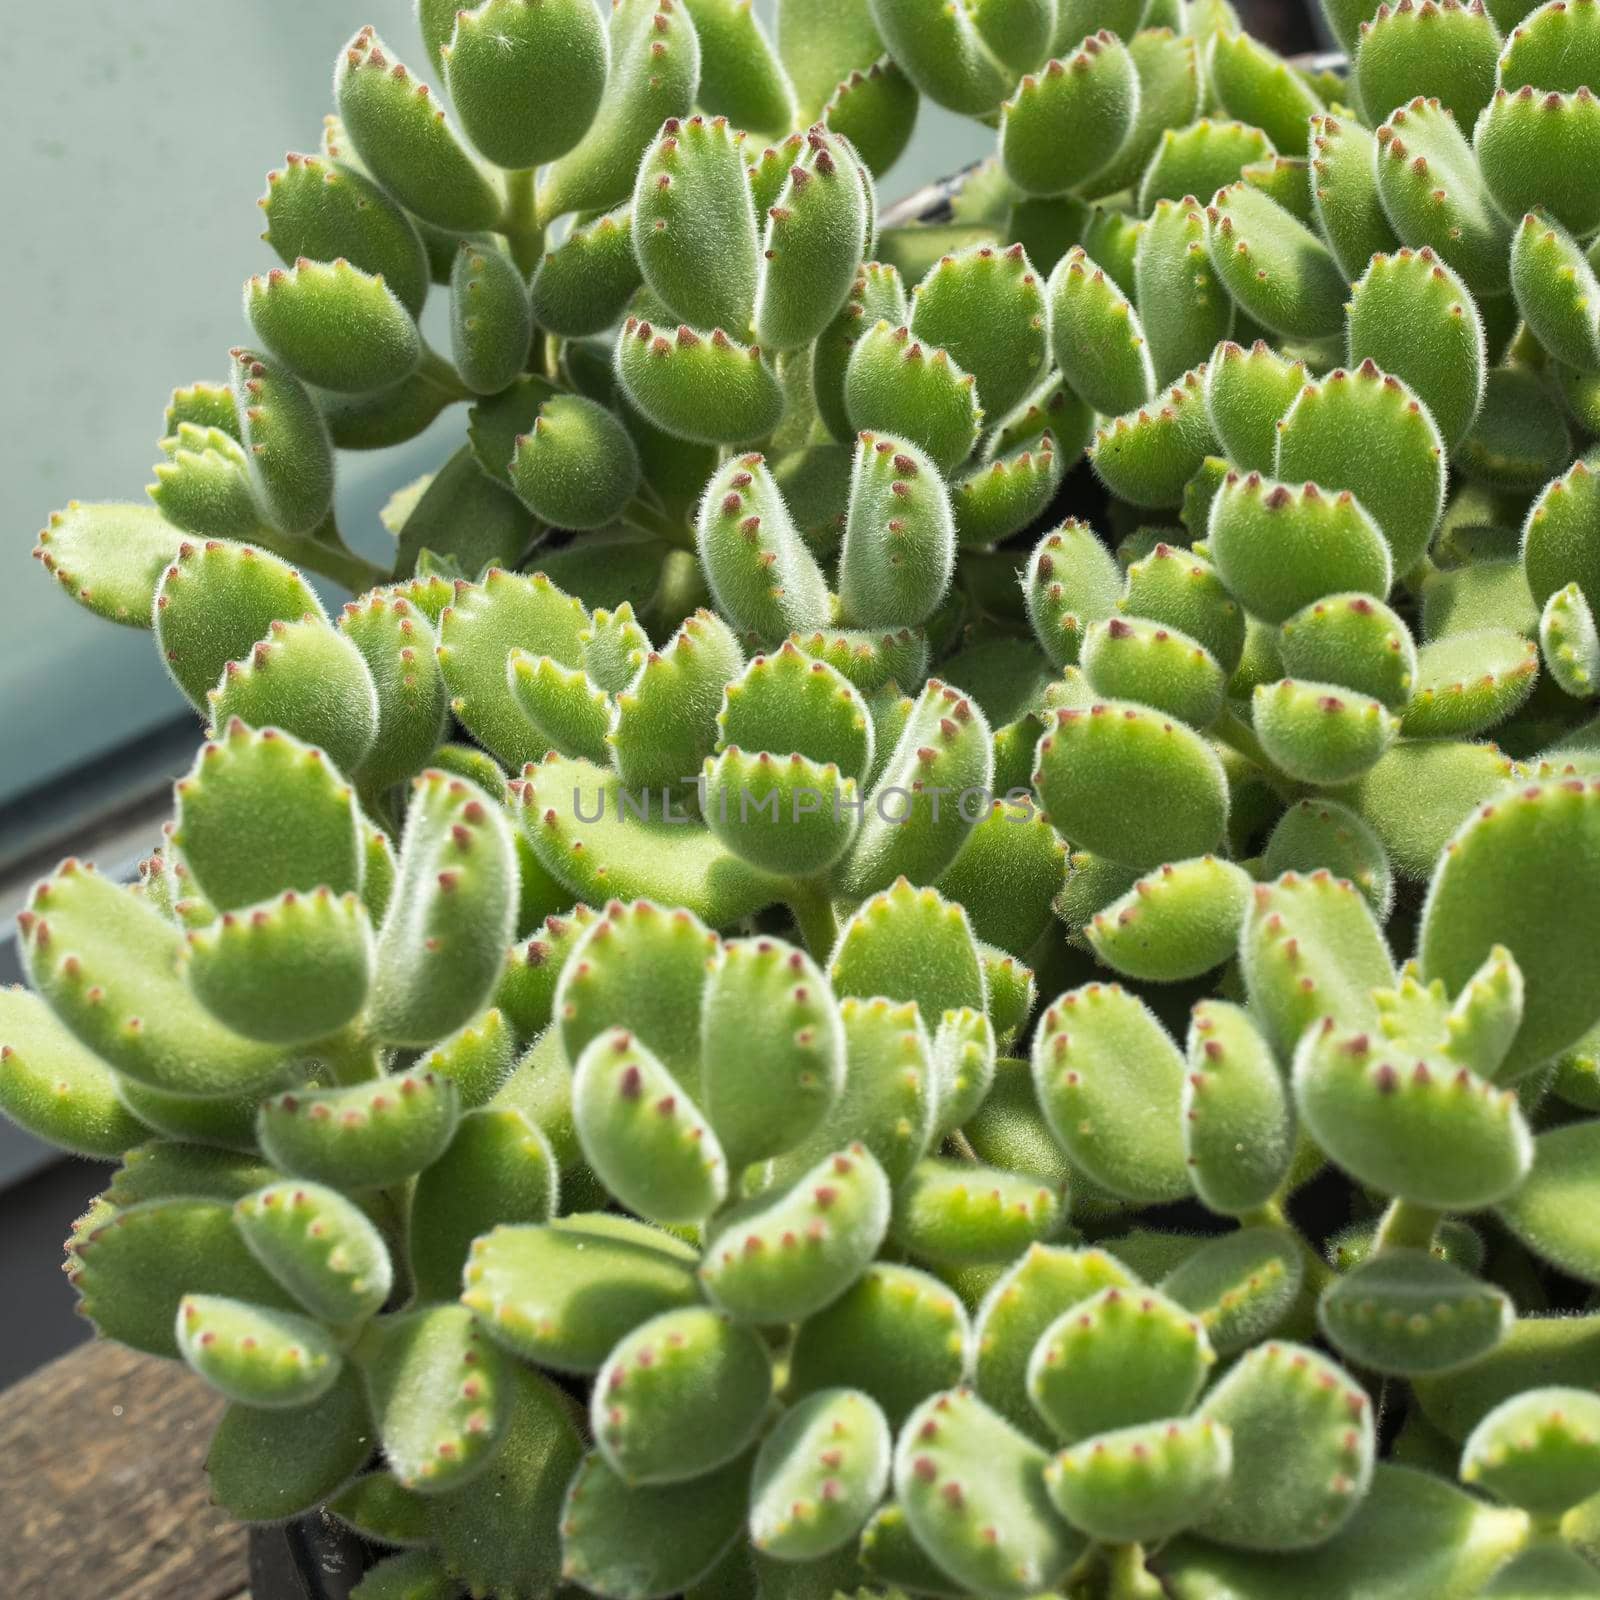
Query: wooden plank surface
point(102, 1491)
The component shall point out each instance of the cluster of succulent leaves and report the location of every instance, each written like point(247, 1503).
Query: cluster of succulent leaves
point(574, 1062)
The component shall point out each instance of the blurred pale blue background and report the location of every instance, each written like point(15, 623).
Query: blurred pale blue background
point(136, 139)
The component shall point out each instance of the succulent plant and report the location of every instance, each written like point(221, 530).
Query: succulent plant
point(574, 1062)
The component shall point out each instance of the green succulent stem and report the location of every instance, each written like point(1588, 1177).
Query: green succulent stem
point(1126, 1574)
point(520, 222)
point(324, 551)
point(1407, 1226)
point(350, 1056)
point(812, 906)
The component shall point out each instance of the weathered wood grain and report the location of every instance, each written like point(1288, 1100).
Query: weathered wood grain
point(102, 1487)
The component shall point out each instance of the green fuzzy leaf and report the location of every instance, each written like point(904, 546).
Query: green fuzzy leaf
point(1185, 309)
point(1467, 682)
point(477, 632)
point(1143, 1483)
point(1434, 194)
point(54, 1088)
point(1366, 432)
point(468, 515)
point(1557, 292)
point(1355, 642)
point(288, 456)
point(441, 1396)
point(1200, 159)
point(996, 500)
point(783, 1256)
point(333, 325)
point(203, 484)
point(443, 941)
point(1538, 1451)
point(1311, 950)
point(491, 321)
point(1344, 192)
point(1176, 587)
point(1570, 642)
point(307, 680)
point(1240, 1285)
point(573, 814)
point(1098, 338)
point(1406, 1312)
point(525, 80)
point(652, 1541)
point(875, 108)
point(1551, 1212)
point(321, 208)
point(1303, 1448)
point(1277, 270)
point(1170, 90)
point(1320, 733)
point(1533, 148)
point(1257, 86)
point(1425, 1131)
point(412, 1575)
point(1323, 833)
point(1064, 125)
point(709, 389)
point(1072, 580)
point(960, 1468)
point(741, 78)
point(319, 1246)
point(378, 1509)
point(1447, 52)
point(1006, 875)
point(1413, 316)
point(1110, 1083)
point(964, 1215)
point(1379, 1551)
point(813, 236)
point(498, 1169)
point(680, 1396)
point(110, 557)
point(896, 1334)
point(1537, 838)
point(654, 75)
point(564, 1294)
point(366, 1136)
point(1246, 393)
point(105, 963)
point(254, 1354)
point(1520, 440)
point(1421, 791)
point(1558, 538)
point(396, 642)
point(584, 284)
point(818, 1475)
point(406, 143)
point(1172, 796)
point(132, 1270)
point(758, 565)
point(1148, 456)
point(215, 601)
point(1118, 1359)
point(945, 55)
point(944, 749)
point(502, 1530)
point(1545, 1571)
point(988, 309)
point(264, 1466)
point(645, 1139)
point(691, 205)
point(1174, 923)
point(772, 1049)
point(293, 970)
point(576, 467)
point(894, 384)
